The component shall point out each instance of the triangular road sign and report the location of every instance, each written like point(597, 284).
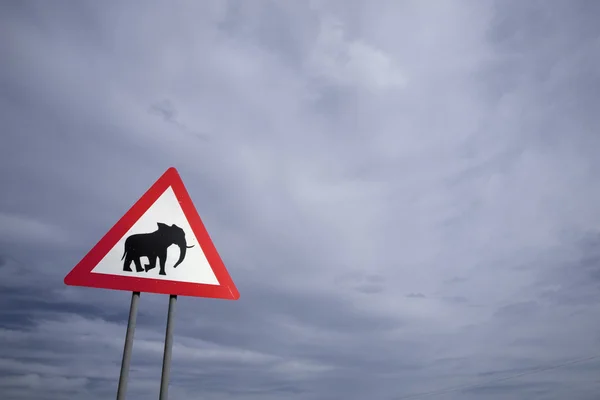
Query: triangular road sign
point(159, 246)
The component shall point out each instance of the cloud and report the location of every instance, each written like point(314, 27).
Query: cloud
point(348, 62)
point(404, 195)
point(26, 230)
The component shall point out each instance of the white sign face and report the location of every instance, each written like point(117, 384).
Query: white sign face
point(159, 235)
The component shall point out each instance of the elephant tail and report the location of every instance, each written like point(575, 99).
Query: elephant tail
point(125, 252)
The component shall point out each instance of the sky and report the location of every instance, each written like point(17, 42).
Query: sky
point(404, 192)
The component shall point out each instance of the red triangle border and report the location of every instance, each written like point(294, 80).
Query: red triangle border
point(81, 274)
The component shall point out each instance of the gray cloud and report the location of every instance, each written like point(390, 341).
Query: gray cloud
point(404, 195)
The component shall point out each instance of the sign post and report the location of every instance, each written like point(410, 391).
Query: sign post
point(128, 349)
point(166, 366)
point(159, 246)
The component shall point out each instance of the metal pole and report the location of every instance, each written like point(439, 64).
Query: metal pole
point(127, 350)
point(166, 367)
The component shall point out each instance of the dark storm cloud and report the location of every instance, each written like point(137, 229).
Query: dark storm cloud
point(404, 195)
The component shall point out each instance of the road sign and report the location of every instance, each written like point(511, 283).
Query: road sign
point(159, 246)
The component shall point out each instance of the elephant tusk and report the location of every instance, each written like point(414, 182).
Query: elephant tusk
point(189, 247)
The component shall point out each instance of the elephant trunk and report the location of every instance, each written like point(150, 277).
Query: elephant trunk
point(182, 250)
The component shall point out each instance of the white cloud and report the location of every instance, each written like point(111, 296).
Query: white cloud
point(352, 62)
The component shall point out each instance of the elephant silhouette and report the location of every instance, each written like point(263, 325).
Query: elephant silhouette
point(154, 245)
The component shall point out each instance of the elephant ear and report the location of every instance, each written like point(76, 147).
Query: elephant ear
point(162, 226)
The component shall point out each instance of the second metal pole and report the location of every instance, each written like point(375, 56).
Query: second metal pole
point(166, 366)
point(122, 389)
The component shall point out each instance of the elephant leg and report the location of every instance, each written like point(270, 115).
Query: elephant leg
point(138, 265)
point(127, 264)
point(151, 263)
point(163, 261)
